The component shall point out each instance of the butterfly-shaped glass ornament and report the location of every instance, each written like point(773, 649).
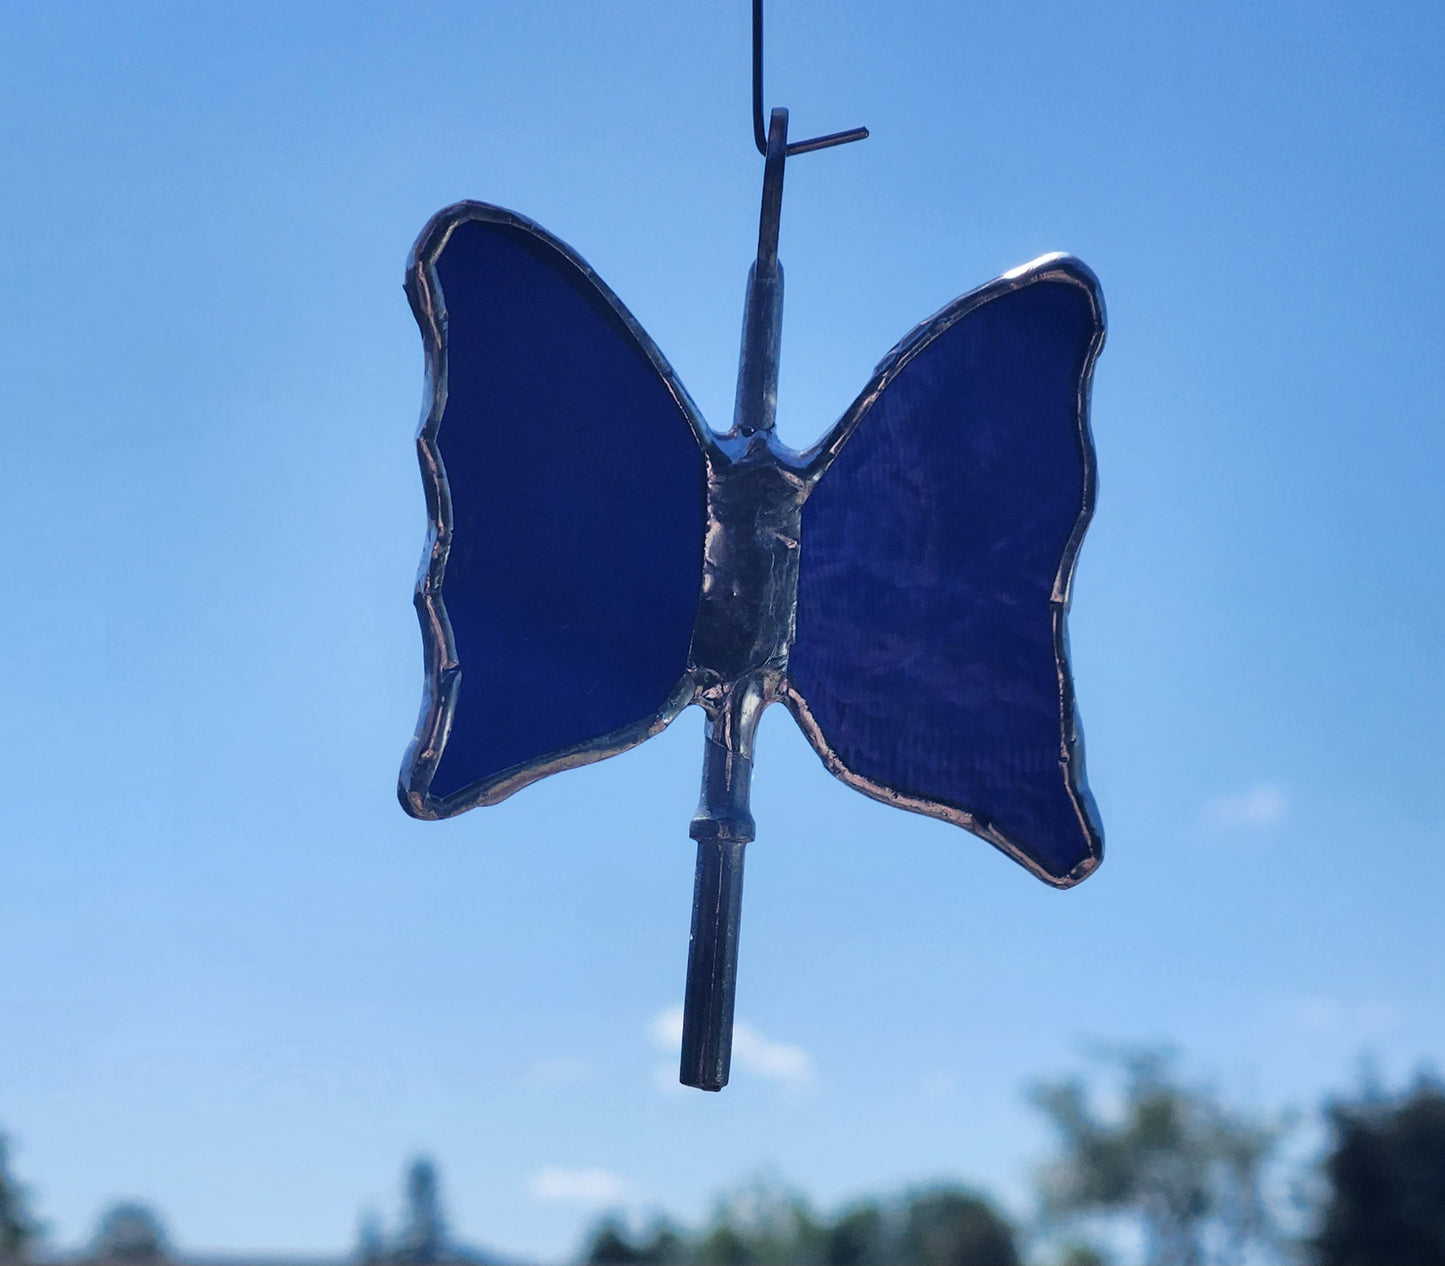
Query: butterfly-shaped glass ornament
point(600, 558)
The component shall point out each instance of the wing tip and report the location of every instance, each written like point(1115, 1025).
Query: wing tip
point(434, 233)
point(419, 766)
point(415, 803)
point(1075, 876)
point(1060, 265)
point(1029, 859)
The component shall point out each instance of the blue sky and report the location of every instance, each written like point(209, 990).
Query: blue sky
point(240, 983)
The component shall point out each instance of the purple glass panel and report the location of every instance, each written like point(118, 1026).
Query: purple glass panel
point(577, 502)
point(935, 557)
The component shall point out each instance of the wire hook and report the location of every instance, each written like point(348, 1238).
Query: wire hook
point(760, 132)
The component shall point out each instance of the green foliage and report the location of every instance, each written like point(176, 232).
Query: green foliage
point(761, 1225)
point(422, 1237)
point(370, 1239)
point(1386, 1173)
point(612, 1247)
point(130, 1231)
point(956, 1228)
point(1189, 1170)
point(18, 1228)
point(859, 1235)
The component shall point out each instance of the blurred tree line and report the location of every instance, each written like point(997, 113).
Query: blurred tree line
point(126, 1231)
point(1169, 1169)
point(422, 1237)
point(1187, 1171)
point(762, 1224)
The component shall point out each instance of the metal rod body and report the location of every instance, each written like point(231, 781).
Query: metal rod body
point(712, 964)
point(723, 824)
point(722, 827)
point(756, 407)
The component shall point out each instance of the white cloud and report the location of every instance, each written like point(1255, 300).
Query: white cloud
point(778, 1061)
point(664, 1030)
point(580, 1186)
point(754, 1052)
point(1261, 806)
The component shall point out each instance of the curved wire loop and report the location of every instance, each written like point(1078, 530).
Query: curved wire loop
point(760, 131)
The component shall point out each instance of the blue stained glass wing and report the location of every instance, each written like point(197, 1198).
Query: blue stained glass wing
point(567, 493)
point(930, 664)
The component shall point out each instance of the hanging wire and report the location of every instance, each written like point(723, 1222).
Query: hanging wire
point(760, 131)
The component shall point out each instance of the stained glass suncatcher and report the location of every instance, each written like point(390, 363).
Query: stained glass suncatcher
point(600, 558)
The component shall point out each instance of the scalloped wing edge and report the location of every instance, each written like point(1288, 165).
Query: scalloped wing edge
point(443, 671)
